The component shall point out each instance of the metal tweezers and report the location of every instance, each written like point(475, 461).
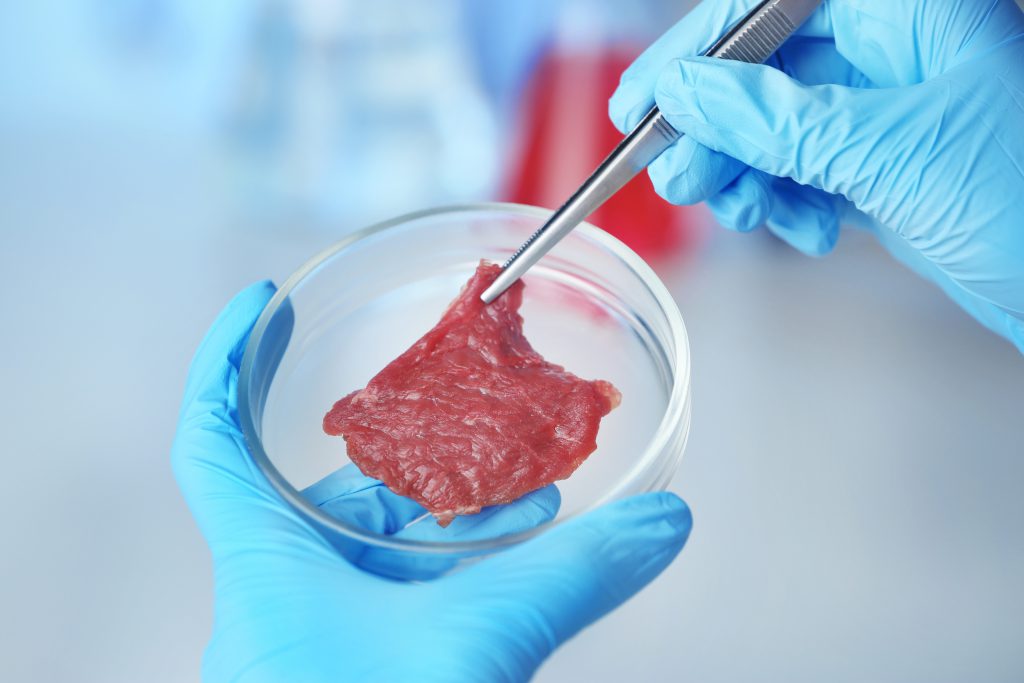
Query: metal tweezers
point(753, 39)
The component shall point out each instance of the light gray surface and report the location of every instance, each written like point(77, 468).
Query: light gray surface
point(855, 470)
point(855, 464)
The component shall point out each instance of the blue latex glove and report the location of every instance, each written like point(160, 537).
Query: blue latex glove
point(364, 502)
point(906, 118)
point(290, 608)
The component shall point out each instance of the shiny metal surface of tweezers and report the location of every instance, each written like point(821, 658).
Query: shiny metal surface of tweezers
point(752, 39)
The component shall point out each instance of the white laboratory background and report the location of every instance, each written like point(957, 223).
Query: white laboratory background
point(856, 460)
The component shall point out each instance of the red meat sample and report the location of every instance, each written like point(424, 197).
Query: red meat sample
point(471, 415)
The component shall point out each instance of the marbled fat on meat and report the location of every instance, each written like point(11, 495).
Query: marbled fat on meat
point(471, 415)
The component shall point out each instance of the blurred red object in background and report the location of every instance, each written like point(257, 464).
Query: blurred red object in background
point(565, 133)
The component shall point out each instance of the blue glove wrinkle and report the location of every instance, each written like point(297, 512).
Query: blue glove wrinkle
point(361, 501)
point(688, 173)
point(804, 217)
point(815, 61)
point(745, 203)
point(972, 30)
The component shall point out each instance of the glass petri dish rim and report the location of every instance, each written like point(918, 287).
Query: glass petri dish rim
point(676, 410)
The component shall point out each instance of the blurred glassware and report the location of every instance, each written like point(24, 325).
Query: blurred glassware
point(317, 112)
point(565, 131)
point(350, 110)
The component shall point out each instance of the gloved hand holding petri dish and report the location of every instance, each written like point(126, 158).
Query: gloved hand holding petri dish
point(592, 307)
point(306, 548)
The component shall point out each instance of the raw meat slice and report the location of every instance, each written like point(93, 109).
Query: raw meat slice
point(471, 415)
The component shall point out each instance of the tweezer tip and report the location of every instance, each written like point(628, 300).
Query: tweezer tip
point(505, 279)
point(493, 291)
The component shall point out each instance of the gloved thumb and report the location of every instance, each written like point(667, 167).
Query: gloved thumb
point(848, 141)
point(230, 499)
point(534, 597)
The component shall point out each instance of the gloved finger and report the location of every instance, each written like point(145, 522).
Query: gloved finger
point(892, 152)
point(225, 341)
point(352, 497)
point(349, 495)
point(228, 496)
point(530, 511)
point(688, 173)
point(804, 217)
point(902, 43)
point(745, 203)
point(690, 36)
point(823, 136)
point(548, 589)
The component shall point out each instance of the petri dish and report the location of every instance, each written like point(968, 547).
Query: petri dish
point(591, 305)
